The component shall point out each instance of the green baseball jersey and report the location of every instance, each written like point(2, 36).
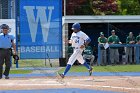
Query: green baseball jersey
point(128, 39)
point(88, 50)
point(102, 40)
point(114, 39)
point(138, 38)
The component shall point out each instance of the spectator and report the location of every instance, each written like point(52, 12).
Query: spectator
point(88, 54)
point(138, 39)
point(114, 54)
point(138, 42)
point(102, 40)
point(129, 50)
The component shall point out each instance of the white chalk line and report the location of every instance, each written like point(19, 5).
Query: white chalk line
point(68, 84)
point(100, 86)
point(12, 84)
point(77, 79)
point(125, 78)
point(85, 79)
point(57, 80)
point(54, 82)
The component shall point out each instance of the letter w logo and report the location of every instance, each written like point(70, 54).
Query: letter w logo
point(41, 16)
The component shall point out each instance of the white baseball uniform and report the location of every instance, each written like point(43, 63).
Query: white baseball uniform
point(77, 39)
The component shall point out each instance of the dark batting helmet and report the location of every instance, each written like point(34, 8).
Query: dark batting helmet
point(76, 26)
point(4, 26)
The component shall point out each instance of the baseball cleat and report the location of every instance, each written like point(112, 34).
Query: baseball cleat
point(90, 72)
point(6, 77)
point(61, 75)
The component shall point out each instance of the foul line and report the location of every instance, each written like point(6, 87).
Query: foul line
point(68, 84)
point(52, 82)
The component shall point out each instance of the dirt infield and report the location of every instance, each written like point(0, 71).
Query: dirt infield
point(113, 83)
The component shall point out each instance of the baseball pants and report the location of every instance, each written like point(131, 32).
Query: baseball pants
point(77, 55)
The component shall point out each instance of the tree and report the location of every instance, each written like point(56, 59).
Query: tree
point(129, 7)
point(104, 7)
point(77, 7)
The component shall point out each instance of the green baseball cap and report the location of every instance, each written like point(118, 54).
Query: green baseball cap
point(130, 33)
point(113, 31)
point(101, 33)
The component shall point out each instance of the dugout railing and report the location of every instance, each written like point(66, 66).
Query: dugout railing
point(135, 46)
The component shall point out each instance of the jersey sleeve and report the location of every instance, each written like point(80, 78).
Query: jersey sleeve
point(127, 40)
point(118, 39)
point(12, 38)
point(134, 39)
point(137, 38)
point(71, 40)
point(106, 39)
point(71, 36)
point(85, 37)
point(110, 40)
point(99, 40)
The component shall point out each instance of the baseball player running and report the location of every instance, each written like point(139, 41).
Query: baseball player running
point(78, 40)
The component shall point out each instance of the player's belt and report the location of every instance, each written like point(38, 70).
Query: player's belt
point(75, 47)
point(5, 48)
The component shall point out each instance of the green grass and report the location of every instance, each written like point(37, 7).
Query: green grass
point(20, 71)
point(35, 63)
point(117, 68)
point(31, 63)
point(25, 63)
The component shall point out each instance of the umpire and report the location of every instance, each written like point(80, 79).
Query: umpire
point(6, 42)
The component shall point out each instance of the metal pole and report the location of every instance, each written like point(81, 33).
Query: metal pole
point(137, 54)
point(99, 55)
point(64, 7)
point(108, 29)
point(9, 9)
point(12, 9)
point(17, 28)
point(45, 56)
point(0, 11)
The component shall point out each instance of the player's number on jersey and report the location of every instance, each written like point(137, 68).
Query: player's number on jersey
point(77, 41)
